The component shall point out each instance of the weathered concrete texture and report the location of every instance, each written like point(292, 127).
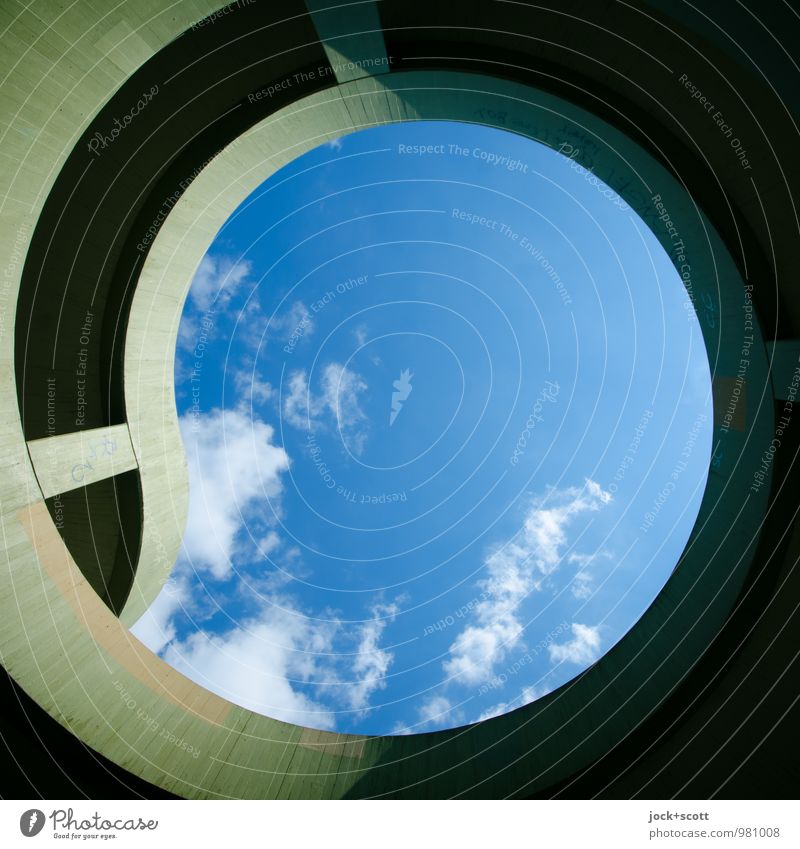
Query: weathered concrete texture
point(130, 162)
point(66, 462)
point(94, 523)
point(128, 229)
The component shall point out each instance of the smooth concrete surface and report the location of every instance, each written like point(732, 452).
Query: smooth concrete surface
point(65, 462)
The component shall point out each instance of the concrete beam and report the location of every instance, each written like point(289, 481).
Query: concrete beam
point(71, 460)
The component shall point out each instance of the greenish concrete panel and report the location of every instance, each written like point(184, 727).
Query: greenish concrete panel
point(72, 460)
point(352, 36)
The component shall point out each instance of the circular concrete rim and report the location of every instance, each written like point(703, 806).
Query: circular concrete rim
point(415, 95)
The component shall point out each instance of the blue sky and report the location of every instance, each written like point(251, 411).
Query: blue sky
point(442, 452)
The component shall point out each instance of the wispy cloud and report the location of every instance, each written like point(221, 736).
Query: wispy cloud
point(273, 661)
point(156, 626)
point(436, 711)
point(293, 325)
point(525, 697)
point(513, 571)
point(297, 399)
point(257, 328)
point(582, 649)
point(280, 661)
point(371, 662)
point(341, 394)
point(582, 584)
point(233, 463)
point(216, 281)
point(339, 397)
point(251, 387)
point(261, 664)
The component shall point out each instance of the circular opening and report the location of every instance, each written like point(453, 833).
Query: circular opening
point(447, 412)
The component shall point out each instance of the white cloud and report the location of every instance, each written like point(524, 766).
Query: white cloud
point(582, 649)
point(492, 712)
point(215, 282)
point(260, 664)
point(269, 543)
point(272, 661)
point(258, 543)
point(279, 661)
point(582, 584)
point(250, 384)
point(293, 325)
point(513, 571)
point(477, 648)
point(525, 697)
point(233, 463)
point(339, 396)
point(341, 391)
point(434, 712)
point(155, 627)
point(296, 401)
point(532, 693)
point(256, 329)
point(583, 560)
point(371, 662)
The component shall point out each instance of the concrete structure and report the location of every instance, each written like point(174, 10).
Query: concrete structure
point(132, 134)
